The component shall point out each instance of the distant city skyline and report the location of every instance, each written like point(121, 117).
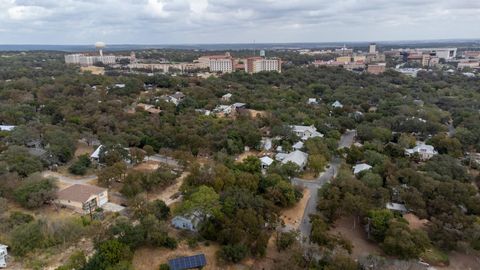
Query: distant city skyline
point(235, 21)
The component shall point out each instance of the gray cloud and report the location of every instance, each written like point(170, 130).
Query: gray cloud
point(213, 21)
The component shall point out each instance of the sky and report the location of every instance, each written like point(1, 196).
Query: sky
point(234, 21)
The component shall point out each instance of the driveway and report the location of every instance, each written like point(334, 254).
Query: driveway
point(69, 180)
point(347, 139)
point(163, 159)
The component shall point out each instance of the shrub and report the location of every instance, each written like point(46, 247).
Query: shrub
point(81, 166)
point(35, 191)
point(233, 253)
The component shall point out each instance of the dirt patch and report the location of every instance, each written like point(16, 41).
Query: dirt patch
point(292, 217)
point(308, 175)
point(60, 258)
point(255, 113)
point(147, 166)
point(361, 246)
point(151, 258)
point(246, 154)
point(94, 70)
point(414, 222)
point(459, 261)
point(166, 194)
point(83, 148)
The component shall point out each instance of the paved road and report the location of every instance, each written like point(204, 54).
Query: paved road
point(163, 159)
point(347, 139)
point(69, 180)
point(313, 186)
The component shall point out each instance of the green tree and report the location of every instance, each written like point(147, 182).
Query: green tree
point(19, 160)
point(379, 221)
point(317, 163)
point(204, 199)
point(405, 243)
point(34, 191)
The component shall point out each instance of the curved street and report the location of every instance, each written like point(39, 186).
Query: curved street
point(314, 185)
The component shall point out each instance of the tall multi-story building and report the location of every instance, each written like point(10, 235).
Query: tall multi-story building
point(259, 64)
point(344, 51)
point(443, 53)
point(73, 58)
point(89, 60)
point(372, 48)
point(221, 63)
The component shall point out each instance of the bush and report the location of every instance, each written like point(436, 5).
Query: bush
point(35, 191)
point(285, 240)
point(81, 166)
point(164, 266)
point(26, 238)
point(233, 253)
point(109, 255)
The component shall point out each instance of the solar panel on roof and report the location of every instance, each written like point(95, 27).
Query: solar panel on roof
point(189, 262)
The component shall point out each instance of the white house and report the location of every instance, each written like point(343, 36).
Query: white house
point(306, 132)
point(82, 198)
point(189, 222)
point(298, 145)
point(227, 97)
point(266, 161)
point(312, 101)
point(361, 167)
point(424, 150)
point(266, 143)
point(95, 156)
point(297, 157)
point(223, 109)
point(337, 104)
point(3, 256)
point(6, 127)
point(398, 207)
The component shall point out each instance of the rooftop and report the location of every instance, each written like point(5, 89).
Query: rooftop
point(79, 193)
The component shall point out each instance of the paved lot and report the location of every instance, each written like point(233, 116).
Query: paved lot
point(112, 207)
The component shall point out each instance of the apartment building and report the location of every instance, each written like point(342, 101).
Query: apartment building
point(259, 64)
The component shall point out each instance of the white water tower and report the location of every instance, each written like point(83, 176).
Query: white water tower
point(99, 46)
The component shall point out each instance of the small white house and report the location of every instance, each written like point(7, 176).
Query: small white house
point(306, 132)
point(298, 145)
point(297, 157)
point(3, 256)
point(188, 222)
point(266, 143)
point(95, 156)
point(361, 167)
point(6, 127)
point(424, 150)
point(397, 207)
point(312, 101)
point(266, 161)
point(227, 97)
point(337, 104)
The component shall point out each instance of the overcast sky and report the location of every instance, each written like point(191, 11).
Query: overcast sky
point(234, 21)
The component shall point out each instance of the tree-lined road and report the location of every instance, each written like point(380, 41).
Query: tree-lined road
point(313, 186)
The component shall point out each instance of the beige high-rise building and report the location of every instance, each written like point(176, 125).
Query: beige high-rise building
point(259, 64)
point(372, 48)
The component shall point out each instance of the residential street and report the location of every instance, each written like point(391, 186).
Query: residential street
point(347, 139)
point(314, 185)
